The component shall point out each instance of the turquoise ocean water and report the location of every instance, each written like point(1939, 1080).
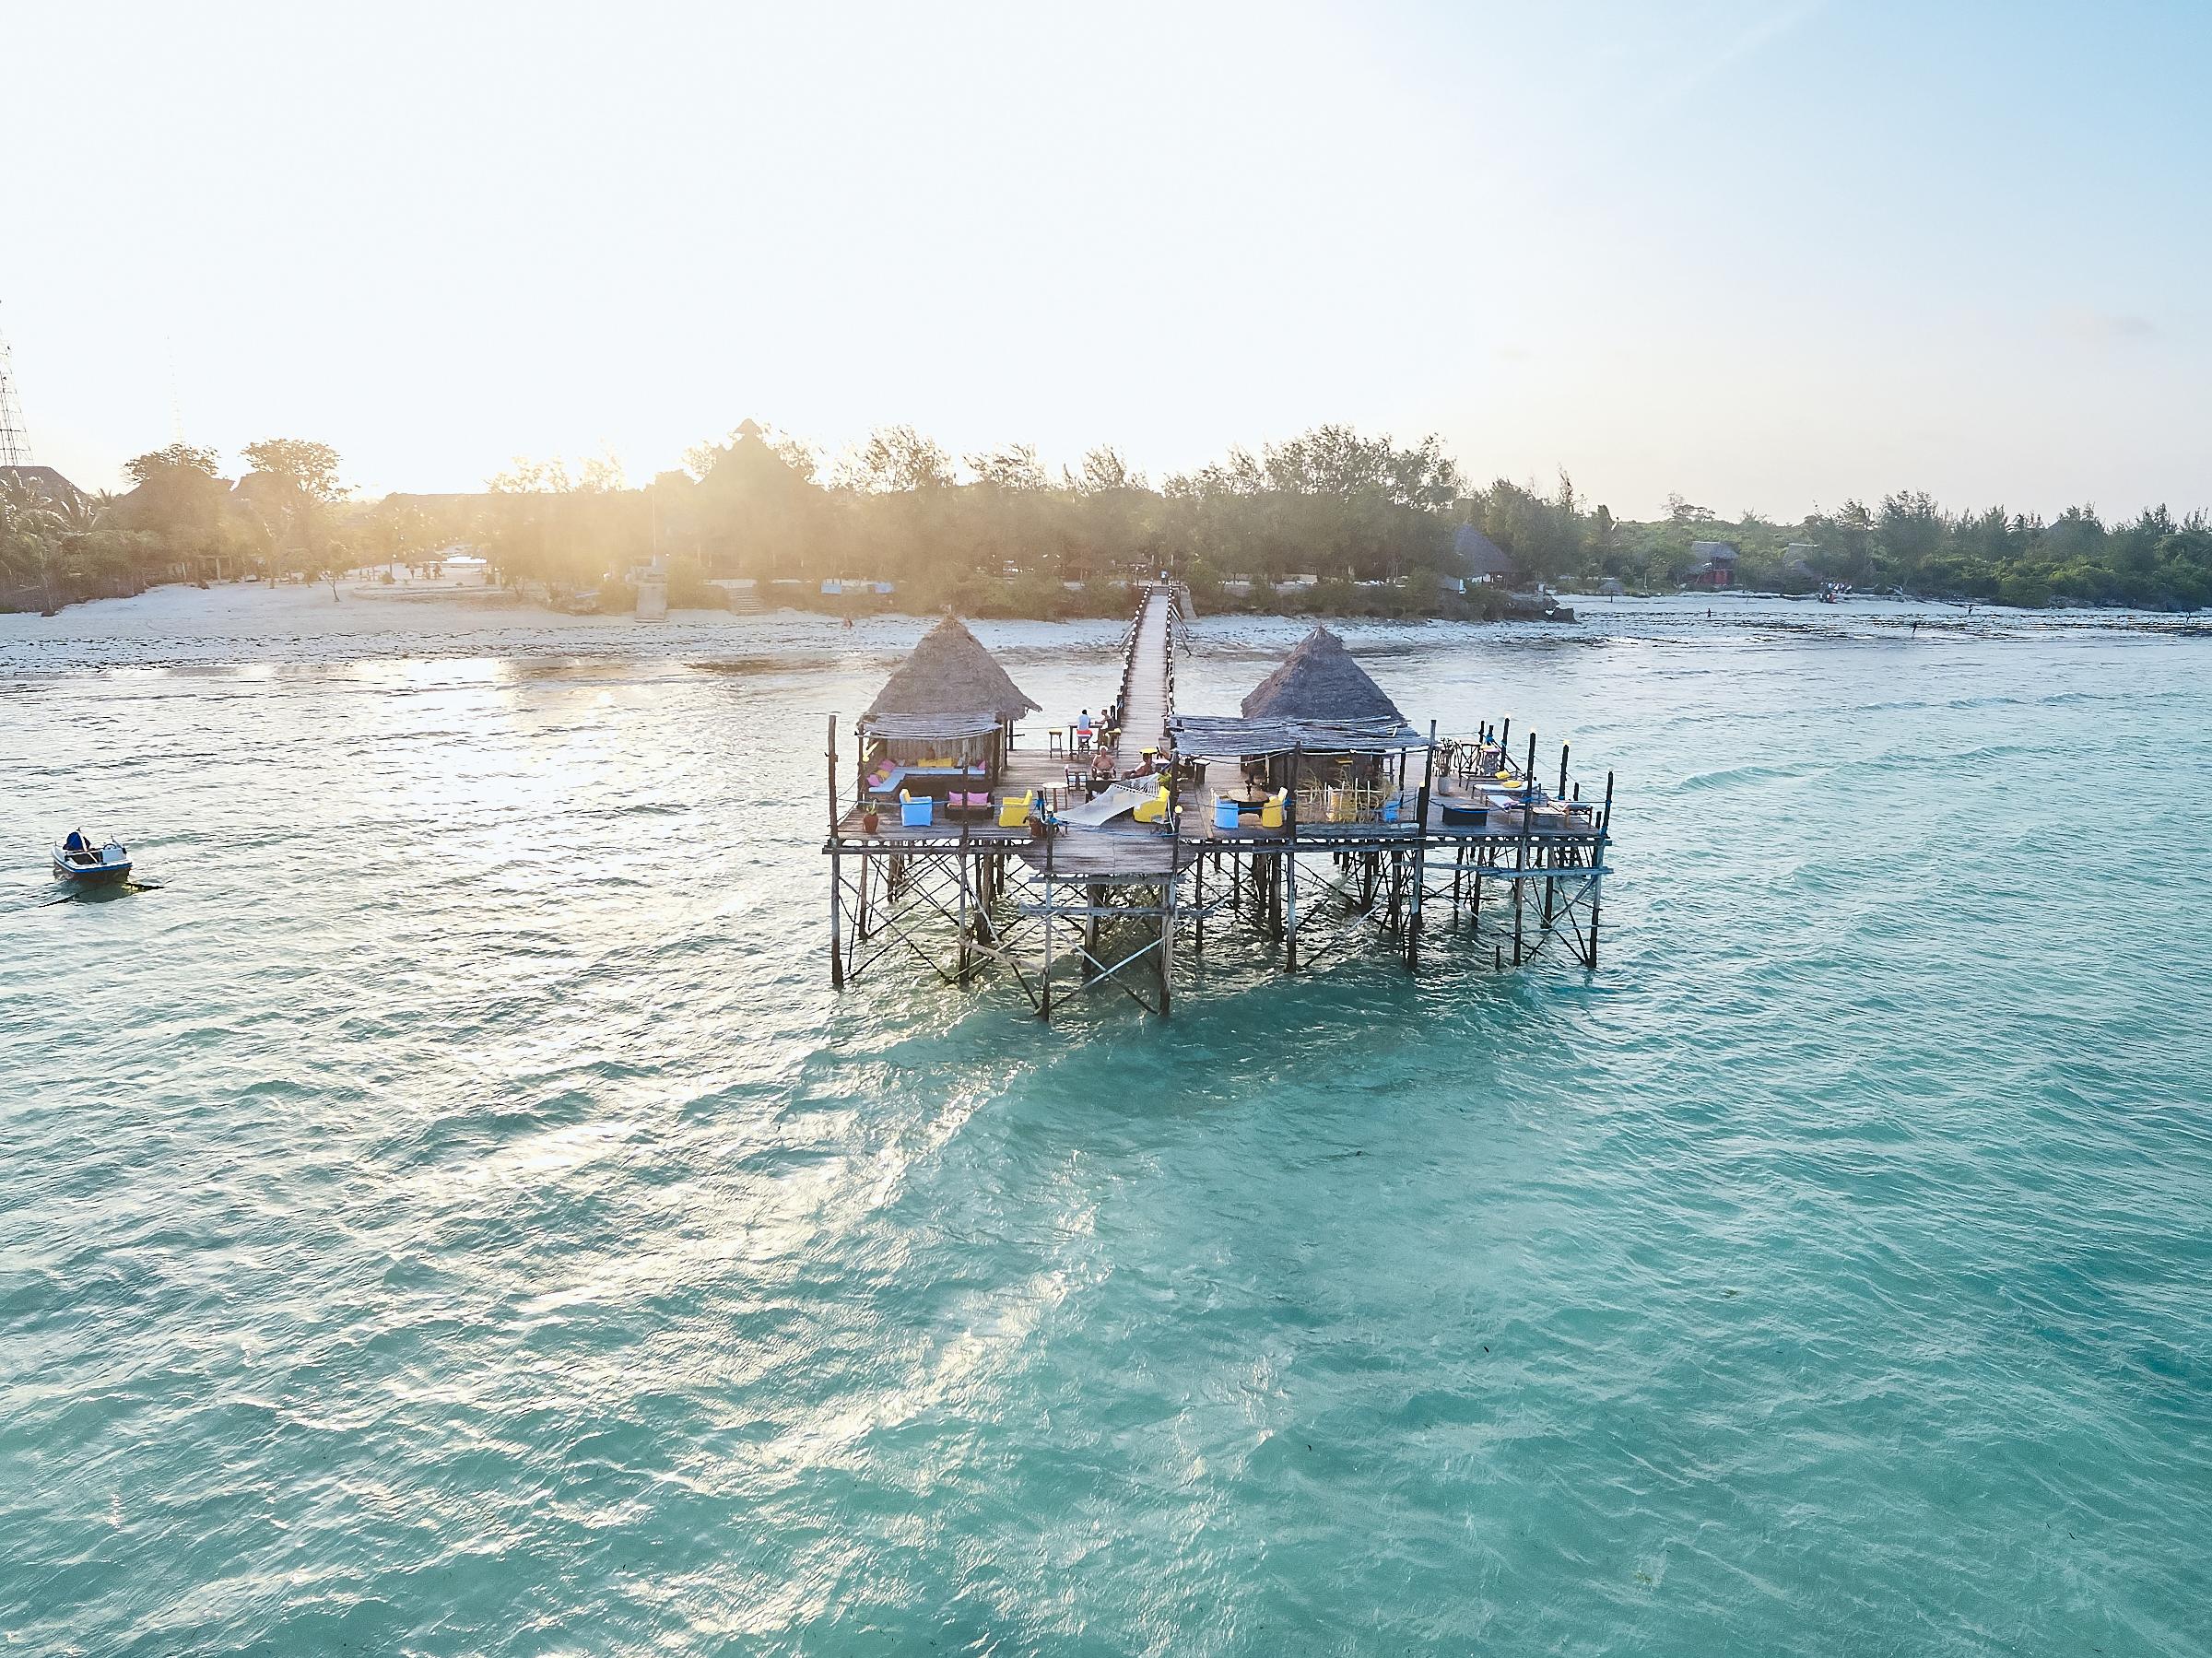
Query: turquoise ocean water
point(453, 1215)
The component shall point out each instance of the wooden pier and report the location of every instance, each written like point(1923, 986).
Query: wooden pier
point(1288, 838)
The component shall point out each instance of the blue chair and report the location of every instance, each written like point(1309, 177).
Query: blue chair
point(914, 813)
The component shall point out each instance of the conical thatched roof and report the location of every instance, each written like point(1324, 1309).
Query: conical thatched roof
point(1483, 557)
point(1319, 681)
point(950, 673)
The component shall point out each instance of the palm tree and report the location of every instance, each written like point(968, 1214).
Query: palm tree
point(31, 528)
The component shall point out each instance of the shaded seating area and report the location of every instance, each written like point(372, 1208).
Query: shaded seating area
point(1317, 745)
point(944, 721)
point(935, 739)
point(1348, 739)
point(933, 777)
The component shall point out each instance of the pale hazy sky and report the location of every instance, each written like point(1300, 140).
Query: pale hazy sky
point(1765, 252)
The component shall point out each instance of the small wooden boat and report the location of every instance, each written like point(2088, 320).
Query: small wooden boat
point(77, 860)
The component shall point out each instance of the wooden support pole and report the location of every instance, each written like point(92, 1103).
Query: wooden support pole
point(1597, 861)
point(1528, 797)
point(1420, 853)
point(1288, 874)
point(1198, 939)
point(1045, 985)
point(1551, 858)
point(837, 920)
point(962, 856)
point(1166, 938)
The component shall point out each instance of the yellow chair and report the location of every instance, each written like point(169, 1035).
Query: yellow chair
point(1153, 810)
point(1014, 811)
point(1271, 814)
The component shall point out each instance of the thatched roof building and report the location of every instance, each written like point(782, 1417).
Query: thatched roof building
point(1484, 559)
point(950, 673)
point(1319, 681)
point(45, 483)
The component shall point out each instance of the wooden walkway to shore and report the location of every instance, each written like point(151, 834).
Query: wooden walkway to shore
point(1149, 688)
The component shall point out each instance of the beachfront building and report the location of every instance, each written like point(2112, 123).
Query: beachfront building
point(1484, 561)
point(1315, 818)
point(1715, 566)
point(46, 484)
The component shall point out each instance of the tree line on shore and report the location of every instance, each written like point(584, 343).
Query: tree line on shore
point(1375, 525)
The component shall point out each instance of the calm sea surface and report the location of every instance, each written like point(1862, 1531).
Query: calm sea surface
point(453, 1215)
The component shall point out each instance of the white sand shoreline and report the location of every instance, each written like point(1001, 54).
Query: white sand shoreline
point(252, 623)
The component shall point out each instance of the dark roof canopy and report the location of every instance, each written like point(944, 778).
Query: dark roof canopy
point(1205, 736)
point(950, 673)
point(44, 481)
point(1319, 681)
point(1482, 556)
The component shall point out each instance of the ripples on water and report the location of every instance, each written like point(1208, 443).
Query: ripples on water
point(453, 1215)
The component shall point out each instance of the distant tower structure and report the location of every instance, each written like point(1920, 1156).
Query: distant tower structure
point(14, 442)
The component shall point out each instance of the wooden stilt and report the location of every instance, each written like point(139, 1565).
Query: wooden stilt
point(1198, 936)
point(1597, 861)
point(1045, 985)
point(1420, 853)
point(837, 886)
point(1166, 938)
point(1287, 875)
point(964, 924)
point(1528, 792)
point(1552, 857)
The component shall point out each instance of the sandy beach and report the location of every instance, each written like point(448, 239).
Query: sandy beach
point(248, 622)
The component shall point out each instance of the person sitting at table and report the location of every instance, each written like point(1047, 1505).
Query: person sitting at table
point(1083, 730)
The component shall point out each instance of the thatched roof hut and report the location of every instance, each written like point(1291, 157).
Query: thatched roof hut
point(45, 483)
point(950, 673)
point(1319, 681)
point(1484, 559)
